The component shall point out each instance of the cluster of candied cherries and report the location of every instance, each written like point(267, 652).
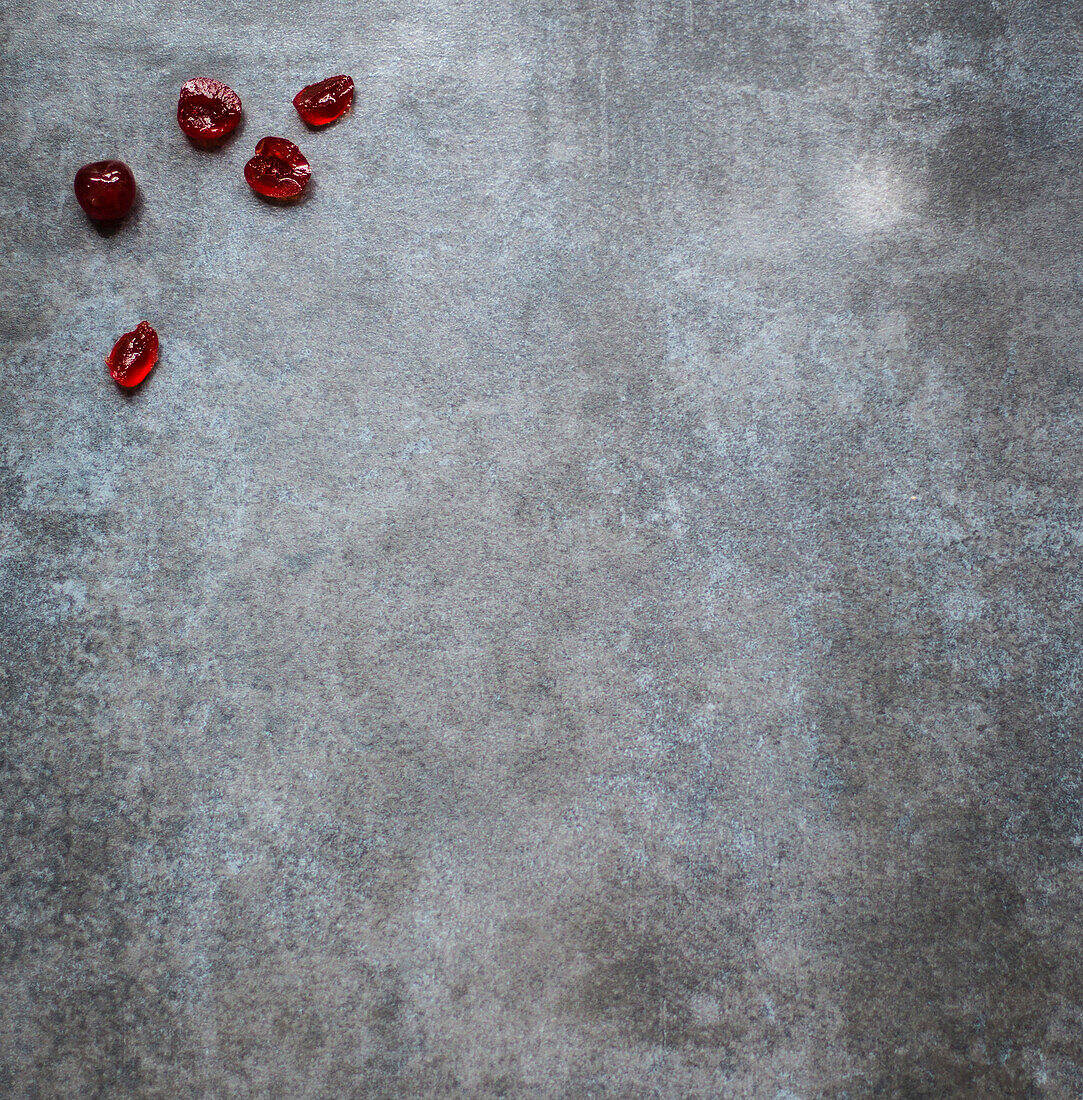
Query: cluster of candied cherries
point(208, 112)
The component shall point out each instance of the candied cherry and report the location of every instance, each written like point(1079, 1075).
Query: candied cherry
point(278, 170)
point(323, 102)
point(208, 110)
point(105, 189)
point(133, 355)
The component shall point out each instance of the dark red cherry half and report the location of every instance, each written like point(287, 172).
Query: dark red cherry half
point(278, 170)
point(105, 189)
point(321, 103)
point(133, 355)
point(208, 110)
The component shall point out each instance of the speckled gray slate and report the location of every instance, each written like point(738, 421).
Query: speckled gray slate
point(589, 602)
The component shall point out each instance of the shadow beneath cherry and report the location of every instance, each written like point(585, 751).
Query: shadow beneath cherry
point(131, 394)
point(317, 127)
point(113, 226)
point(299, 200)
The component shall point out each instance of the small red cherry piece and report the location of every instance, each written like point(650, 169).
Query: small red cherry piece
point(207, 109)
point(278, 170)
point(105, 189)
point(133, 355)
point(321, 103)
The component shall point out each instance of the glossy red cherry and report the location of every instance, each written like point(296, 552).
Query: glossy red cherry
point(208, 110)
point(105, 189)
point(321, 103)
point(133, 355)
point(278, 170)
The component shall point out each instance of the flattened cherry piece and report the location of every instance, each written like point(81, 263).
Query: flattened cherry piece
point(208, 110)
point(321, 103)
point(133, 355)
point(105, 189)
point(278, 170)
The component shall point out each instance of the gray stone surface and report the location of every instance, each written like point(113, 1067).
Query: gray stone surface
point(588, 604)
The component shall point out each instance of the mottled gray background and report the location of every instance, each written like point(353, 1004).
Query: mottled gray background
point(589, 602)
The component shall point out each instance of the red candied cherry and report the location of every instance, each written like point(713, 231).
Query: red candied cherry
point(105, 189)
point(278, 170)
point(321, 103)
point(207, 109)
point(133, 355)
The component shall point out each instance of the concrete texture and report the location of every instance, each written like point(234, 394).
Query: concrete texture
point(589, 602)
